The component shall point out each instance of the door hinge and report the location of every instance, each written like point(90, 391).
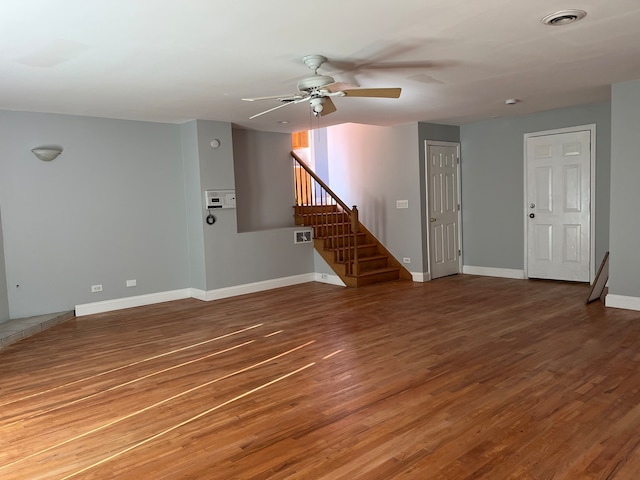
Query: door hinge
point(459, 252)
point(458, 207)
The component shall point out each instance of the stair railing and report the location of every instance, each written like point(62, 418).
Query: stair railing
point(327, 213)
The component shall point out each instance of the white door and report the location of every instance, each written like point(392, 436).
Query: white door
point(558, 217)
point(444, 208)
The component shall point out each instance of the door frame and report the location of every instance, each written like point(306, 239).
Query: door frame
point(436, 143)
point(592, 188)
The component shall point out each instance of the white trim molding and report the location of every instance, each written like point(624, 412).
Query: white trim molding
point(330, 279)
point(420, 276)
point(199, 294)
point(152, 298)
point(129, 302)
point(622, 301)
point(254, 287)
point(494, 272)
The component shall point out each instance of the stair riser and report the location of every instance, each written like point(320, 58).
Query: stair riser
point(329, 230)
point(368, 265)
point(321, 220)
point(339, 242)
point(382, 277)
point(307, 209)
point(341, 255)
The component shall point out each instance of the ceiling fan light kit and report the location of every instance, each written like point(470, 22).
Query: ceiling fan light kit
point(316, 90)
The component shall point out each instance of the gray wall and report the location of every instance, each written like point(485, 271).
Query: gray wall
point(111, 207)
point(233, 258)
point(263, 176)
point(194, 205)
point(125, 201)
point(441, 133)
point(492, 172)
point(321, 154)
point(372, 167)
point(4, 297)
point(625, 196)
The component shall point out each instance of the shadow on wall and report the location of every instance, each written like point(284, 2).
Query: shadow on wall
point(4, 295)
point(375, 216)
point(263, 179)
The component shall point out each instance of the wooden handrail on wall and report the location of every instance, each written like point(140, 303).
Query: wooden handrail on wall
point(325, 211)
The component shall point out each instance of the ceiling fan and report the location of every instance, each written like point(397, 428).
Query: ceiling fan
point(317, 91)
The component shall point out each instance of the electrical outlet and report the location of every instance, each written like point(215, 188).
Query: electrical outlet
point(131, 283)
point(324, 276)
point(96, 288)
point(402, 203)
point(406, 260)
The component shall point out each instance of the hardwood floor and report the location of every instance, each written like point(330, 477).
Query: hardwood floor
point(463, 377)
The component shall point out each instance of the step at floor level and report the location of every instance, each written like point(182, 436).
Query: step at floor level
point(15, 330)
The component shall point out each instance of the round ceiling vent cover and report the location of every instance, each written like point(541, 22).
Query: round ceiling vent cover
point(564, 17)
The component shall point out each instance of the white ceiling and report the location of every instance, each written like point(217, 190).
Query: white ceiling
point(176, 60)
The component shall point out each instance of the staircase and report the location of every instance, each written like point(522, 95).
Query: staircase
point(351, 250)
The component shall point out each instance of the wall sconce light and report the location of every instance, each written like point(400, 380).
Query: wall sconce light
point(47, 153)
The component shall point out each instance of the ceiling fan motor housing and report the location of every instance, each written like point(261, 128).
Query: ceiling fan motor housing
point(312, 83)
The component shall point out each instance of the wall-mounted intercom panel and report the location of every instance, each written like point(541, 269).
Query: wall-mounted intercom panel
point(220, 198)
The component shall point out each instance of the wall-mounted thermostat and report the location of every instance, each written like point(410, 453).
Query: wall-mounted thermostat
point(220, 198)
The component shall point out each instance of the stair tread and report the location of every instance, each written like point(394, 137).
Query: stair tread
point(317, 214)
point(360, 245)
point(372, 257)
point(376, 272)
point(365, 258)
point(360, 234)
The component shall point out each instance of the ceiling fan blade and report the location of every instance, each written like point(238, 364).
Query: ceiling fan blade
point(408, 65)
point(284, 98)
point(340, 86)
point(301, 99)
point(374, 92)
point(329, 106)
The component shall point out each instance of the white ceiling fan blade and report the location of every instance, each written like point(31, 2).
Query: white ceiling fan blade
point(302, 99)
point(285, 98)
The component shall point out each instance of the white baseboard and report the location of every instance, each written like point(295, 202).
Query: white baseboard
point(420, 276)
point(129, 302)
point(493, 272)
point(330, 279)
point(199, 294)
point(258, 286)
point(217, 294)
point(622, 301)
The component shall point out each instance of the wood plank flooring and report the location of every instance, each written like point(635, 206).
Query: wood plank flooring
point(463, 377)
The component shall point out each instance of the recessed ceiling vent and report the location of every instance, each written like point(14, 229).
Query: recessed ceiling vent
point(564, 17)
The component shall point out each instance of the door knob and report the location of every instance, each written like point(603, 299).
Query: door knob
point(532, 215)
point(432, 219)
